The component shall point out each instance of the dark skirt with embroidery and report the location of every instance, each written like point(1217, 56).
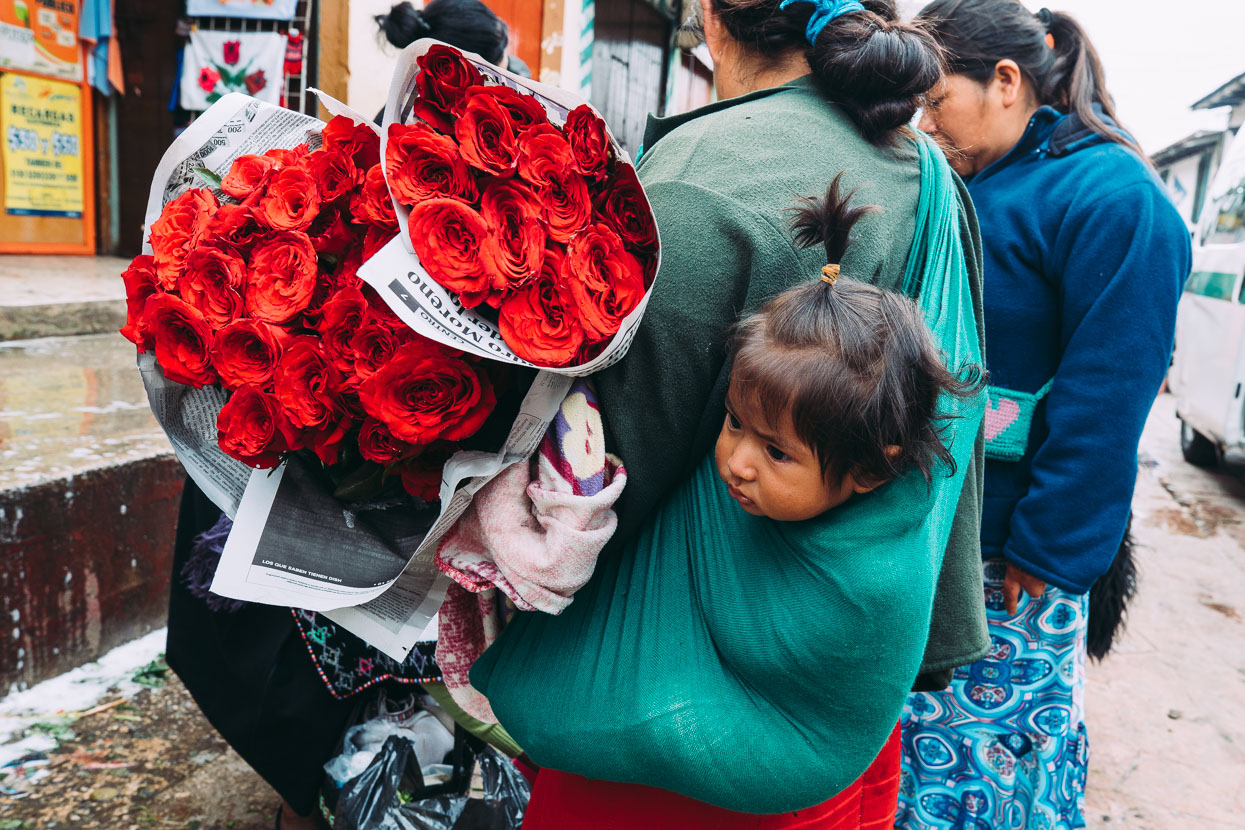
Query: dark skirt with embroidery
point(275, 684)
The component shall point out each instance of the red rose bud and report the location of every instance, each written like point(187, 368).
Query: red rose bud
point(178, 230)
point(565, 204)
point(515, 247)
point(211, 283)
point(589, 141)
point(539, 322)
point(347, 273)
point(247, 175)
point(253, 428)
point(424, 394)
point(624, 208)
point(291, 202)
point(358, 141)
point(544, 155)
point(444, 76)
point(306, 384)
point(421, 475)
point(604, 279)
point(447, 237)
point(140, 284)
point(422, 164)
point(525, 111)
point(234, 226)
point(288, 158)
point(181, 338)
point(340, 317)
point(488, 137)
point(248, 352)
point(372, 204)
point(335, 173)
point(282, 277)
point(377, 444)
point(375, 341)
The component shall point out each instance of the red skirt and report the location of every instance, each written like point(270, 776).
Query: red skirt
point(561, 801)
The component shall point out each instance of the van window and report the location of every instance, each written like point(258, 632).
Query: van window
point(1217, 285)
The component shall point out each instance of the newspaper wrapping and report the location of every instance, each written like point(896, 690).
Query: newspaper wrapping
point(369, 567)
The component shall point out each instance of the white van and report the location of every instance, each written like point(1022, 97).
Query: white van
point(1208, 368)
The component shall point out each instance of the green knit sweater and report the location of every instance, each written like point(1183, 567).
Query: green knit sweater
point(720, 180)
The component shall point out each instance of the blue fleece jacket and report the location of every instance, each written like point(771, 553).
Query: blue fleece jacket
point(1085, 259)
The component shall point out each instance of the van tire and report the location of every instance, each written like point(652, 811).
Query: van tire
point(1196, 448)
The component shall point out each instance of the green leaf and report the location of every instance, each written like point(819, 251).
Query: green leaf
point(208, 176)
point(362, 483)
point(152, 674)
point(213, 98)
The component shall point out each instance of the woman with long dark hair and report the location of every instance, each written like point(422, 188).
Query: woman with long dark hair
point(807, 90)
point(1084, 263)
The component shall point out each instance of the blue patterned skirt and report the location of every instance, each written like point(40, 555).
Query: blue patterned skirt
point(1004, 747)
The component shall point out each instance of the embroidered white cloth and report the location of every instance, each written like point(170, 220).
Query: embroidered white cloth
point(217, 63)
point(534, 533)
point(265, 9)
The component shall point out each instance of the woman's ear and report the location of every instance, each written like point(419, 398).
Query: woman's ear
point(1011, 82)
point(713, 30)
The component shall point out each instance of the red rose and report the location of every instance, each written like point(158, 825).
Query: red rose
point(381, 310)
point(326, 286)
point(255, 81)
point(515, 246)
point(624, 208)
point(306, 384)
point(375, 341)
point(372, 205)
point(332, 233)
point(346, 275)
point(291, 202)
point(140, 283)
point(236, 227)
point(289, 158)
point(421, 475)
point(448, 237)
point(377, 444)
point(232, 50)
point(487, 136)
point(425, 393)
point(605, 280)
point(359, 141)
point(544, 155)
point(538, 322)
point(211, 283)
point(340, 318)
point(182, 340)
point(423, 164)
point(178, 229)
point(565, 204)
point(253, 428)
point(375, 239)
point(334, 172)
point(208, 78)
point(248, 352)
point(247, 175)
point(524, 110)
point(282, 277)
point(590, 143)
point(444, 75)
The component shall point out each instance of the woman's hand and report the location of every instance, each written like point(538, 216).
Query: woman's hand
point(1014, 581)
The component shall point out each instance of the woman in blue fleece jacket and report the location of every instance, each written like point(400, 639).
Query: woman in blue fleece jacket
point(1084, 261)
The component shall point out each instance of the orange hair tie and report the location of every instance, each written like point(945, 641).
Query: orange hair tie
point(1050, 40)
point(829, 274)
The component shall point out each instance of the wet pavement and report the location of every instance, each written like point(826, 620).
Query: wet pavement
point(1165, 714)
point(50, 296)
point(70, 404)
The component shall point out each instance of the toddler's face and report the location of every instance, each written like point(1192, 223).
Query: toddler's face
point(768, 470)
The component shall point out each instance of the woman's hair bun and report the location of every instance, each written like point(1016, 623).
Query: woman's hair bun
point(876, 67)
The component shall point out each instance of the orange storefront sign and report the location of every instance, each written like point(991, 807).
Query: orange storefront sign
point(41, 36)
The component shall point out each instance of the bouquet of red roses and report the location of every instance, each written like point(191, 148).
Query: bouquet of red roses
point(540, 227)
point(257, 292)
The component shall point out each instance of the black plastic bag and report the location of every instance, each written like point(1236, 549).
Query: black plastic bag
point(371, 800)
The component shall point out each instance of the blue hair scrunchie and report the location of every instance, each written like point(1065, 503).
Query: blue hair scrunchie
point(825, 11)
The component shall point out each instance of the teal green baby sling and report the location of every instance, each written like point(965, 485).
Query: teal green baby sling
point(753, 664)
